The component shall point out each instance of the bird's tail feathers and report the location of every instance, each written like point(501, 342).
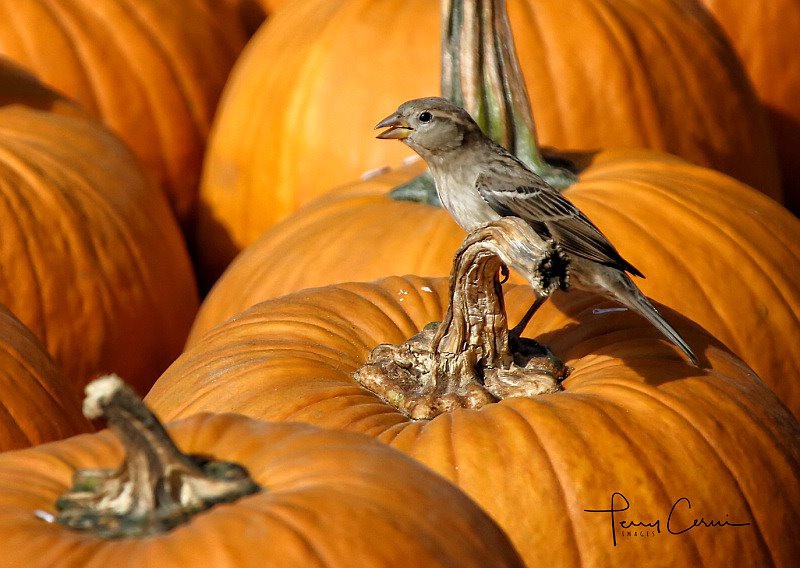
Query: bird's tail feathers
point(638, 302)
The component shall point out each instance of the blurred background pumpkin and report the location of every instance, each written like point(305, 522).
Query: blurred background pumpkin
point(764, 34)
point(37, 402)
point(91, 257)
point(152, 70)
point(656, 74)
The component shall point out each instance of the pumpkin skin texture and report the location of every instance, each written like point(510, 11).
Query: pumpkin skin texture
point(91, 257)
point(152, 70)
point(764, 34)
point(599, 73)
point(711, 248)
point(37, 403)
point(633, 418)
point(330, 499)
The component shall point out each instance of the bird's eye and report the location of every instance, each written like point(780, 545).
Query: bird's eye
point(425, 116)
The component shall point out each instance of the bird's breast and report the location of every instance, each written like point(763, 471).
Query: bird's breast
point(459, 196)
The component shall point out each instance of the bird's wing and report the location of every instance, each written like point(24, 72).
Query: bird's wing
point(515, 191)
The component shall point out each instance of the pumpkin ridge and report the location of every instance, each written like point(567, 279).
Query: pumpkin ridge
point(353, 424)
point(119, 227)
point(549, 82)
point(726, 462)
point(747, 247)
point(680, 414)
point(10, 422)
point(323, 323)
point(320, 326)
point(286, 522)
point(723, 462)
point(171, 62)
point(325, 312)
point(423, 289)
point(633, 50)
point(383, 300)
point(645, 464)
point(30, 369)
point(36, 279)
point(551, 463)
point(59, 19)
point(620, 433)
point(288, 199)
point(699, 212)
point(142, 87)
point(645, 234)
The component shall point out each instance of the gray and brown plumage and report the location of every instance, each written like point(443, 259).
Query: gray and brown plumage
point(479, 181)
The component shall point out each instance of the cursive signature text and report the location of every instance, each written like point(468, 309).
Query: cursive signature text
point(619, 504)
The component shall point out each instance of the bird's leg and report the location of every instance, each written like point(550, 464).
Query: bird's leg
point(515, 334)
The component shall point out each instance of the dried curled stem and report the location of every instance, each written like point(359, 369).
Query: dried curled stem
point(157, 487)
point(466, 360)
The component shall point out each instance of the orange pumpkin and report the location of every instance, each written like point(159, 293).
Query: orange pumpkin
point(684, 226)
point(91, 257)
point(600, 72)
point(764, 34)
point(151, 69)
point(633, 419)
point(37, 403)
point(326, 498)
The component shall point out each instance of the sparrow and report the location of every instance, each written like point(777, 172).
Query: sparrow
point(479, 181)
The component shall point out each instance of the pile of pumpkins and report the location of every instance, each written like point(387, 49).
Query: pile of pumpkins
point(191, 197)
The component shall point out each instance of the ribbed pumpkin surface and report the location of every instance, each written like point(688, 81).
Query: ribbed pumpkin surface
point(764, 33)
point(37, 403)
point(330, 499)
point(711, 248)
point(654, 73)
point(91, 257)
point(634, 418)
point(151, 69)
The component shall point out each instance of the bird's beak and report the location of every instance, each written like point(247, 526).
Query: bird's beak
point(398, 128)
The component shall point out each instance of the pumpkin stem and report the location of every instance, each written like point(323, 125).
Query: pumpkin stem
point(481, 72)
point(467, 360)
point(157, 487)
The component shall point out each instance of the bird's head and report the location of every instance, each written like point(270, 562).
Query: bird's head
point(431, 126)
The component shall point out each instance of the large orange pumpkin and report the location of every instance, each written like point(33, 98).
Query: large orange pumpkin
point(764, 34)
point(655, 74)
point(37, 403)
point(326, 498)
point(91, 257)
point(151, 69)
point(634, 419)
point(712, 248)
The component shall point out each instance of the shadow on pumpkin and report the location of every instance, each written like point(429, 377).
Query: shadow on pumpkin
point(210, 245)
point(603, 327)
point(787, 134)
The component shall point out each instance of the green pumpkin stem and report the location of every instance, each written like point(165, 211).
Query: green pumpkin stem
point(481, 72)
point(157, 487)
